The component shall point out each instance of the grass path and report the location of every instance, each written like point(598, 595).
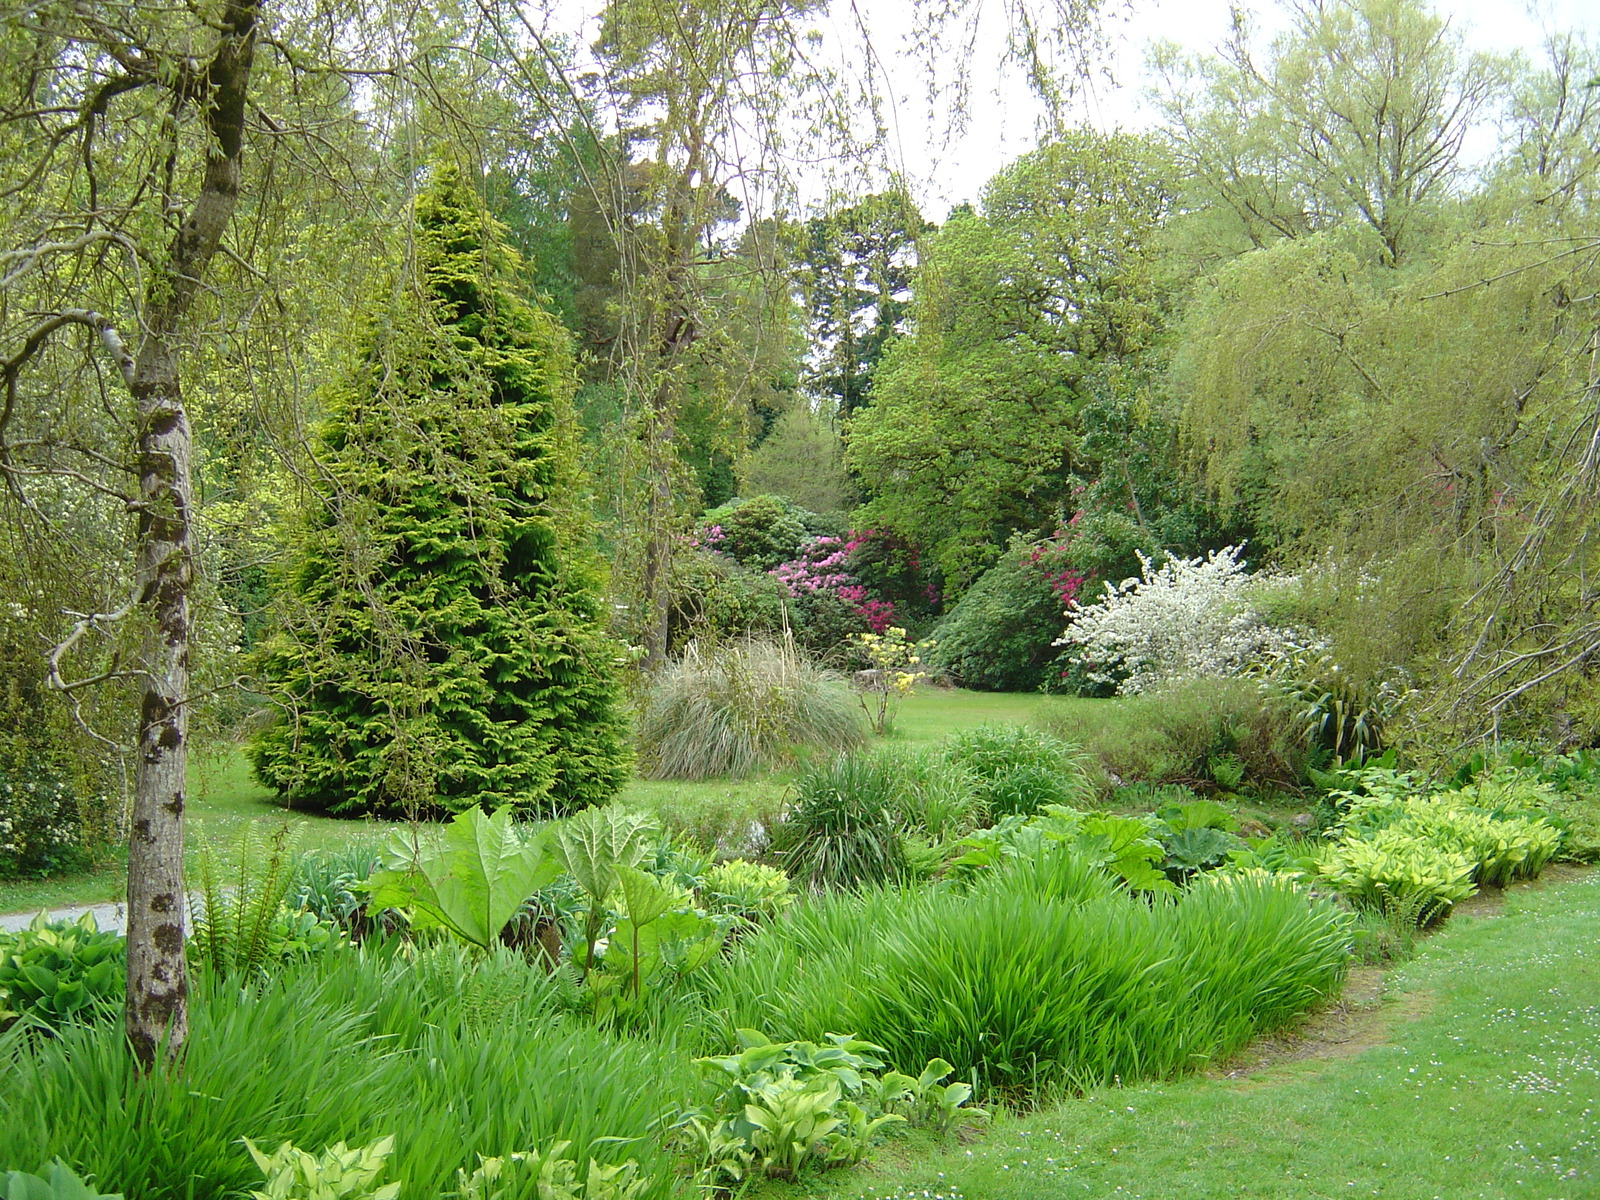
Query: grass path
point(223, 797)
point(1483, 1084)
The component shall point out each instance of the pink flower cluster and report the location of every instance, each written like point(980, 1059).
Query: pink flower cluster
point(711, 538)
point(1050, 559)
point(824, 566)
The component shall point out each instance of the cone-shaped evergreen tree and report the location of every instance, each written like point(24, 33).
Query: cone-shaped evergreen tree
point(440, 642)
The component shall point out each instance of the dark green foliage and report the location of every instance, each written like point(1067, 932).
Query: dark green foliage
point(842, 830)
point(998, 636)
point(714, 596)
point(55, 973)
point(760, 532)
point(1043, 979)
point(441, 643)
point(454, 1054)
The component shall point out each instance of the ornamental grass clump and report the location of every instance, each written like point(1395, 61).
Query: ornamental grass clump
point(348, 1047)
point(1038, 982)
point(843, 829)
point(732, 708)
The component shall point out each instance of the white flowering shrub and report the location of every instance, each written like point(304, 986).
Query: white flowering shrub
point(41, 827)
point(1189, 617)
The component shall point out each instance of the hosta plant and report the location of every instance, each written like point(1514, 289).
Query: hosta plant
point(340, 1172)
point(552, 1175)
point(56, 972)
point(786, 1106)
point(1393, 869)
point(746, 890)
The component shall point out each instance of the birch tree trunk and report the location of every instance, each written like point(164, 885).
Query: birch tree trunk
point(157, 998)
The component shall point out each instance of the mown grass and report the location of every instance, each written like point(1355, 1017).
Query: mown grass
point(1486, 1087)
point(223, 797)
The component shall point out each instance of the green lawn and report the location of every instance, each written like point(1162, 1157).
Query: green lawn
point(223, 798)
point(1482, 1083)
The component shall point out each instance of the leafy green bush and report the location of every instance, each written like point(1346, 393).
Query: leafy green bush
point(842, 829)
point(57, 972)
point(1020, 770)
point(1026, 991)
point(1000, 635)
point(1393, 868)
point(760, 532)
point(62, 1183)
point(347, 1046)
point(736, 707)
point(1172, 735)
point(785, 1106)
point(713, 597)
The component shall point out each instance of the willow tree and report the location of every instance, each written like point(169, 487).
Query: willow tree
point(442, 642)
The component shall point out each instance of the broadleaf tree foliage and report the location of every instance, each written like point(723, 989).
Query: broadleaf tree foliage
point(442, 644)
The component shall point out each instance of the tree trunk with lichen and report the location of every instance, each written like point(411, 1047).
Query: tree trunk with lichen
point(157, 998)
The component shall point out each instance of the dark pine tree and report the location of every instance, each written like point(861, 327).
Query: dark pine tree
point(440, 642)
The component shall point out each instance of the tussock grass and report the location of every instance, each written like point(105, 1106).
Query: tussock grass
point(732, 708)
point(1044, 979)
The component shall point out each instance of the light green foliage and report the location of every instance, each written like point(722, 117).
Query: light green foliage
point(1020, 770)
point(842, 829)
point(241, 923)
point(658, 933)
point(1393, 868)
point(1357, 114)
point(593, 846)
point(802, 460)
point(730, 708)
point(553, 1177)
point(440, 643)
point(751, 891)
point(969, 435)
point(55, 972)
point(1104, 984)
point(785, 1106)
point(340, 1172)
point(61, 1183)
point(473, 883)
point(927, 1101)
point(459, 1053)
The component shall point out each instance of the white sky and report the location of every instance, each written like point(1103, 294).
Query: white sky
point(1003, 124)
point(1003, 118)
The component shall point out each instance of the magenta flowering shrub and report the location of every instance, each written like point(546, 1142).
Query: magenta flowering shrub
point(824, 567)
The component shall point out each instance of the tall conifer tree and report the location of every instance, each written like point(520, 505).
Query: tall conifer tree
point(441, 643)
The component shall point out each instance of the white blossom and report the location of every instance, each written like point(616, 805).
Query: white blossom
point(1191, 617)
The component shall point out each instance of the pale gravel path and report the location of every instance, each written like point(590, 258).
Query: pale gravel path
point(107, 916)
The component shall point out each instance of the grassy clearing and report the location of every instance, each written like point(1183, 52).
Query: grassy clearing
point(224, 797)
point(1486, 1088)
